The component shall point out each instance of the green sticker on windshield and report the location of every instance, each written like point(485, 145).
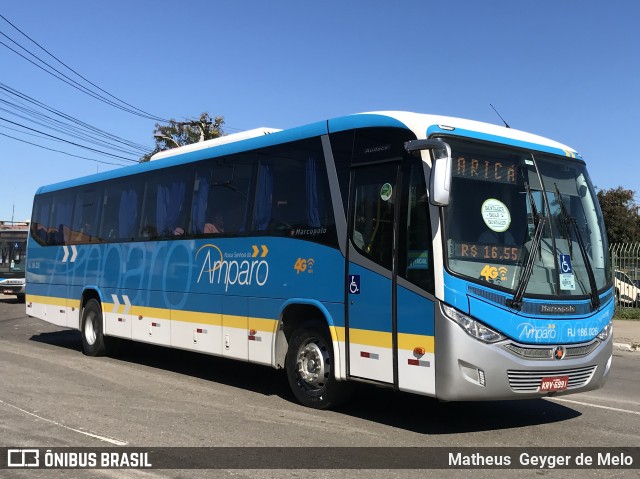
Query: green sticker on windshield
point(496, 215)
point(385, 191)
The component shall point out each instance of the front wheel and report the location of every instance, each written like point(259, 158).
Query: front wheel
point(93, 341)
point(310, 369)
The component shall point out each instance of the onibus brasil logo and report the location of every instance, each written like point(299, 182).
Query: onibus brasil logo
point(243, 268)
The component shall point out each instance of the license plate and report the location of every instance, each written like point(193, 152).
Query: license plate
point(557, 383)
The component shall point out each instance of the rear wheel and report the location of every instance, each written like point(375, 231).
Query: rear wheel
point(93, 341)
point(310, 369)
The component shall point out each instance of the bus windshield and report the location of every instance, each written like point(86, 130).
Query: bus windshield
point(525, 220)
point(13, 248)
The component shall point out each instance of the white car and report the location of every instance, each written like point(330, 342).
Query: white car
point(14, 286)
point(627, 293)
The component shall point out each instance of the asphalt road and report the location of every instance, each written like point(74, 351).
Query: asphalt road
point(51, 395)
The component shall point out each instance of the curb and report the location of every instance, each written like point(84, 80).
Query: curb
point(629, 347)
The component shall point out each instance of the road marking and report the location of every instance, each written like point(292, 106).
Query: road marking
point(608, 408)
point(102, 438)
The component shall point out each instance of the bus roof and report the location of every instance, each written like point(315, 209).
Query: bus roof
point(423, 125)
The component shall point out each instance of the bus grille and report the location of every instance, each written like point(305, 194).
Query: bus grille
point(545, 352)
point(529, 381)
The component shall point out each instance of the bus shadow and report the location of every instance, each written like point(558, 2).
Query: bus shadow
point(10, 300)
point(66, 338)
point(406, 411)
point(426, 415)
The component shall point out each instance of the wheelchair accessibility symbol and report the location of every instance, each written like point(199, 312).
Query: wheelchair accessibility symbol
point(354, 284)
point(565, 264)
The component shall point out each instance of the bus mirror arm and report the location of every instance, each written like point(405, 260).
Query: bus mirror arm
point(440, 178)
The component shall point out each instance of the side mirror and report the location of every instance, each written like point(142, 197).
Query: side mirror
point(440, 181)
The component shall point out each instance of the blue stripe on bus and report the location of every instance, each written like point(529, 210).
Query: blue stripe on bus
point(490, 309)
point(435, 129)
point(185, 274)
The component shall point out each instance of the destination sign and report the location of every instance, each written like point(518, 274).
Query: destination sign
point(498, 171)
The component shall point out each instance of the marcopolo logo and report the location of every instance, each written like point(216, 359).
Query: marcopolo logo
point(242, 268)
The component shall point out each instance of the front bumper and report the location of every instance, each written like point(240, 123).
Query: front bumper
point(10, 288)
point(469, 370)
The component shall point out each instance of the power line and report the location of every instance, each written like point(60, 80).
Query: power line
point(65, 129)
point(73, 83)
point(70, 142)
point(15, 93)
point(56, 125)
point(56, 73)
point(131, 109)
point(60, 151)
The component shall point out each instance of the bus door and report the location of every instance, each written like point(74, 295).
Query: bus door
point(371, 329)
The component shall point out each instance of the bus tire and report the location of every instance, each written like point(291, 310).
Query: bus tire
point(93, 341)
point(309, 364)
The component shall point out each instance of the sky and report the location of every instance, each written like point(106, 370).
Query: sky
point(568, 70)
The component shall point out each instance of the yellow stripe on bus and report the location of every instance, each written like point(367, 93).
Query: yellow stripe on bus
point(53, 301)
point(383, 340)
point(357, 336)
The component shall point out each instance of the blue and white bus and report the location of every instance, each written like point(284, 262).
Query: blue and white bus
point(435, 255)
point(13, 249)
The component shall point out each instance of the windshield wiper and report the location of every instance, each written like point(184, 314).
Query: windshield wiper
point(564, 223)
point(571, 221)
point(539, 220)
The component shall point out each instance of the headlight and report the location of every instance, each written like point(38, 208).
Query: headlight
point(606, 331)
point(472, 327)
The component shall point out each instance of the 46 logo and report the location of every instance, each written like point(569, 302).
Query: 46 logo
point(492, 273)
point(304, 265)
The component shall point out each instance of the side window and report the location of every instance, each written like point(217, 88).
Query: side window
point(165, 207)
point(221, 196)
point(61, 213)
point(120, 217)
point(374, 204)
point(86, 215)
point(292, 194)
point(416, 260)
point(40, 228)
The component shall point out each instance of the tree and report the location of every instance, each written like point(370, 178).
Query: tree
point(620, 213)
point(180, 133)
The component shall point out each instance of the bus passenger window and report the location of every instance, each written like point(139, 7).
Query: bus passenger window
point(292, 196)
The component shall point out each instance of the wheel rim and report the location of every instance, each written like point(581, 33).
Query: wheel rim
point(89, 329)
point(313, 364)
